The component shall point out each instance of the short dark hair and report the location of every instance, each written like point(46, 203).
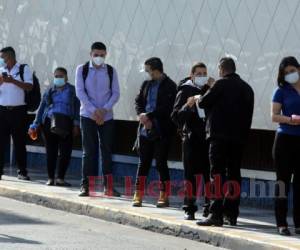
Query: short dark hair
point(227, 64)
point(98, 45)
point(9, 51)
point(197, 65)
point(286, 61)
point(155, 64)
point(62, 69)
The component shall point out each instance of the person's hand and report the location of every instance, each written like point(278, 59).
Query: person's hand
point(148, 124)
point(99, 116)
point(191, 101)
point(143, 118)
point(211, 81)
point(9, 79)
point(294, 120)
point(76, 131)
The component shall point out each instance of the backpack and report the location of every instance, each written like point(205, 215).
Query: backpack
point(32, 97)
point(85, 72)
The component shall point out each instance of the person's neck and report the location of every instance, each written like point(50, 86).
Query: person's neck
point(11, 65)
point(297, 85)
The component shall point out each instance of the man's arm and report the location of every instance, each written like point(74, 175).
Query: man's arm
point(26, 85)
point(115, 92)
point(139, 100)
point(211, 96)
point(181, 110)
point(81, 92)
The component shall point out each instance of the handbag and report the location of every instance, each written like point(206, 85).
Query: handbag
point(61, 124)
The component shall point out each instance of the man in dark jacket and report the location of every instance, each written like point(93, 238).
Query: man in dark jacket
point(190, 121)
point(154, 105)
point(229, 104)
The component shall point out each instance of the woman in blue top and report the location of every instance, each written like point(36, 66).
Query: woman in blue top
point(286, 149)
point(59, 99)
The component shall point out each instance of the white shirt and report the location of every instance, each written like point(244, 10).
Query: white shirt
point(10, 94)
point(200, 111)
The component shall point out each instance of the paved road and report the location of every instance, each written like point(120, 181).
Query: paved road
point(28, 226)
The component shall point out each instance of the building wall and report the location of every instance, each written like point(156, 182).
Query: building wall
point(257, 33)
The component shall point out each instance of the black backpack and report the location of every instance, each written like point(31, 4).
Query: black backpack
point(85, 72)
point(32, 97)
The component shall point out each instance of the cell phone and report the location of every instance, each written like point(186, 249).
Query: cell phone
point(4, 74)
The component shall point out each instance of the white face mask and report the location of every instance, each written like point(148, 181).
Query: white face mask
point(98, 60)
point(292, 78)
point(200, 80)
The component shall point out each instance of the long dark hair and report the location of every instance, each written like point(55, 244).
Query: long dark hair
point(286, 61)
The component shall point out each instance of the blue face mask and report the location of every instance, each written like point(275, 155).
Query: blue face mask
point(2, 63)
point(59, 82)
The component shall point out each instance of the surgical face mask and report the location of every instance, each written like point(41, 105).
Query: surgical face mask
point(200, 80)
point(98, 60)
point(292, 78)
point(2, 63)
point(59, 82)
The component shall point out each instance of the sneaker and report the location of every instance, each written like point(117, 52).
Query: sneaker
point(84, 192)
point(50, 182)
point(284, 231)
point(114, 192)
point(23, 177)
point(211, 221)
point(189, 216)
point(62, 183)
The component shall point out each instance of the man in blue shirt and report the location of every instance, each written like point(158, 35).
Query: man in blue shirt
point(154, 105)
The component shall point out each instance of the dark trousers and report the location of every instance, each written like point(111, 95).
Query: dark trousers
point(196, 166)
point(54, 145)
point(225, 161)
point(92, 136)
point(286, 161)
point(149, 150)
point(14, 122)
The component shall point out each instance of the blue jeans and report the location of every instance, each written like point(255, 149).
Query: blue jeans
point(92, 136)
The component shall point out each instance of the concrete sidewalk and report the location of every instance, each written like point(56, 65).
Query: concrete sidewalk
point(255, 230)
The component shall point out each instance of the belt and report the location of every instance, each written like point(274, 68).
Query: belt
point(11, 107)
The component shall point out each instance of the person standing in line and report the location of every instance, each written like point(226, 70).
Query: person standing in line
point(97, 88)
point(154, 104)
point(13, 109)
point(229, 105)
point(286, 112)
point(59, 102)
point(190, 121)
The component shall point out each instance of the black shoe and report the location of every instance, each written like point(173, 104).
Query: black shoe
point(189, 216)
point(284, 231)
point(50, 182)
point(62, 183)
point(113, 192)
point(23, 177)
point(211, 221)
point(230, 221)
point(84, 192)
point(297, 230)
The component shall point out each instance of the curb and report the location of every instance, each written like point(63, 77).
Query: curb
point(137, 220)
